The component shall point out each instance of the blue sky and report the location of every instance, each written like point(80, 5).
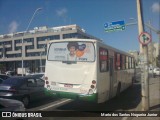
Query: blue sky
point(88, 14)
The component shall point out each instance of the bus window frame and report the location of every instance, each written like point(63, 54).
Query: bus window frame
point(123, 62)
point(100, 61)
point(118, 67)
point(72, 41)
point(127, 60)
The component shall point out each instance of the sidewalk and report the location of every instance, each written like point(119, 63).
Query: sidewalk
point(154, 99)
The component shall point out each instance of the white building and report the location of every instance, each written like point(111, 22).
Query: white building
point(33, 49)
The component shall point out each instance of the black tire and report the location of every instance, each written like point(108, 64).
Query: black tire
point(118, 90)
point(133, 80)
point(26, 101)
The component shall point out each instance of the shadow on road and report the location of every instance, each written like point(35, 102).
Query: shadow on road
point(128, 100)
point(155, 107)
point(41, 102)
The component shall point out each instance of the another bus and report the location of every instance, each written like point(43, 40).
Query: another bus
point(87, 69)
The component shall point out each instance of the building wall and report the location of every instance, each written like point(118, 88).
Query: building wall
point(153, 52)
point(33, 48)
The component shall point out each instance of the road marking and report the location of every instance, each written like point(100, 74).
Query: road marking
point(55, 104)
point(124, 118)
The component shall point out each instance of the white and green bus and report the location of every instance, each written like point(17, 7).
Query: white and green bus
point(87, 69)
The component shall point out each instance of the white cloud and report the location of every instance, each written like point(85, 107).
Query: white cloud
point(13, 26)
point(156, 7)
point(61, 12)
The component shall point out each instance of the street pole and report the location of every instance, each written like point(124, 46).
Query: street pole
point(144, 52)
point(152, 49)
point(23, 38)
point(158, 49)
point(159, 40)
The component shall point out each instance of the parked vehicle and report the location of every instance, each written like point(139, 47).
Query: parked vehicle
point(4, 77)
point(150, 70)
point(11, 105)
point(1, 80)
point(156, 71)
point(10, 73)
point(24, 89)
point(24, 71)
point(39, 75)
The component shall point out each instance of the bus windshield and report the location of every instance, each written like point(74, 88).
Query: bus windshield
point(71, 51)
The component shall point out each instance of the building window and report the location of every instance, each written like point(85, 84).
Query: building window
point(29, 40)
point(10, 55)
point(9, 49)
point(41, 46)
point(18, 55)
point(33, 54)
point(43, 53)
point(18, 41)
point(75, 35)
point(8, 42)
point(53, 37)
point(30, 47)
point(18, 48)
point(71, 35)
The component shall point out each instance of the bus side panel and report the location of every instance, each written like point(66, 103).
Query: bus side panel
point(125, 78)
point(103, 87)
point(103, 81)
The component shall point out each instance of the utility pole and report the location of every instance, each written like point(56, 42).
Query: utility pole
point(152, 48)
point(38, 9)
point(144, 62)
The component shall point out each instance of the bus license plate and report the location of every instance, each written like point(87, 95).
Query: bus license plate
point(68, 85)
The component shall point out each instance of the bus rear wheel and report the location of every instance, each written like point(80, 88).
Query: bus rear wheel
point(25, 101)
point(118, 90)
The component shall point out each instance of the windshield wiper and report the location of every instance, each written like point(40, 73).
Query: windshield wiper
point(70, 62)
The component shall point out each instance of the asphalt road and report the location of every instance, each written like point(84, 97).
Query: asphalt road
point(127, 101)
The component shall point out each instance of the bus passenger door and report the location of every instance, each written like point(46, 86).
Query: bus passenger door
point(111, 77)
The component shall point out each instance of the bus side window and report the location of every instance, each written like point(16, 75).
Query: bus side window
point(129, 62)
point(118, 62)
point(103, 59)
point(126, 62)
point(132, 62)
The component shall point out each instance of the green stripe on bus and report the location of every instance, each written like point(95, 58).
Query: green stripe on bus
point(60, 94)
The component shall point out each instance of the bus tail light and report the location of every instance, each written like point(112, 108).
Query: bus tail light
point(47, 82)
point(46, 78)
point(93, 82)
point(92, 86)
point(12, 89)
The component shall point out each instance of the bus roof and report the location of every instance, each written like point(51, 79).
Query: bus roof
point(93, 40)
